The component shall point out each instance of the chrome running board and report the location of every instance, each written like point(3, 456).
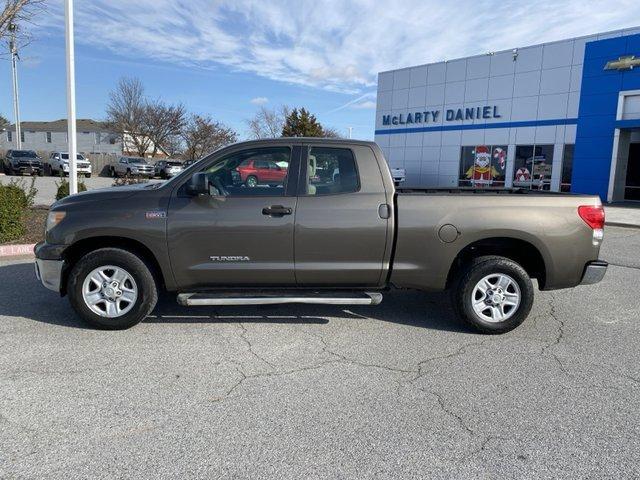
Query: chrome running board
point(315, 298)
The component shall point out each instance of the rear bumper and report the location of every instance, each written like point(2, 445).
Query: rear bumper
point(594, 272)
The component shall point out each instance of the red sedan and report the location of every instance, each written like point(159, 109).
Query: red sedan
point(261, 172)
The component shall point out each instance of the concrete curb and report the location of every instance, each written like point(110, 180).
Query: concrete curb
point(16, 250)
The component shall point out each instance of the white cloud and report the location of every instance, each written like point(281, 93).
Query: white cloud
point(331, 44)
point(365, 105)
point(259, 100)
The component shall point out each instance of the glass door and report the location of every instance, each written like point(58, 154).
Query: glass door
point(632, 183)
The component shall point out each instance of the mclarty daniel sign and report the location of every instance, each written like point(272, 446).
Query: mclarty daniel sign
point(435, 116)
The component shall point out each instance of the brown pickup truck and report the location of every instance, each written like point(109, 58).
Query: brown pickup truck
point(328, 227)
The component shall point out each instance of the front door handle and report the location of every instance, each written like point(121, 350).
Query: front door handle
point(277, 211)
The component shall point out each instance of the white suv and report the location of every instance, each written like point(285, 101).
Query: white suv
point(58, 164)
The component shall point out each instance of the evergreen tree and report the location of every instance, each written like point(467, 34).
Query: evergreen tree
point(301, 123)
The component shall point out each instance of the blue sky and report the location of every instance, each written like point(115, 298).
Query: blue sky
point(226, 58)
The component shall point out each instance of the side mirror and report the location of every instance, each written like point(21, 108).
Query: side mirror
point(199, 184)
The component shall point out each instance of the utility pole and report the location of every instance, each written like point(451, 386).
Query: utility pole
point(350, 130)
point(71, 97)
point(13, 48)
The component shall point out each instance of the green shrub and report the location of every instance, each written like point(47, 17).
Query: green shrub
point(15, 200)
point(63, 188)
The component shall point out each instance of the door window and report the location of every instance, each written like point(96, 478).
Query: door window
point(234, 175)
point(331, 171)
point(483, 166)
point(533, 166)
point(567, 168)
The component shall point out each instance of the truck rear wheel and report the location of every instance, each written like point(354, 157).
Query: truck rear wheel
point(493, 294)
point(112, 289)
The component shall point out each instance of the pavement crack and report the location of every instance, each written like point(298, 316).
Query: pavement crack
point(559, 336)
point(458, 418)
point(245, 339)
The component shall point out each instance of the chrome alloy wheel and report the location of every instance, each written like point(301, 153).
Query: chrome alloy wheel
point(496, 297)
point(109, 291)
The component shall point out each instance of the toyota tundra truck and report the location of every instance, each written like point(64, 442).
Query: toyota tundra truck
point(334, 231)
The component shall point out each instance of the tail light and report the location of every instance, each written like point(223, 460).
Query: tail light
point(593, 215)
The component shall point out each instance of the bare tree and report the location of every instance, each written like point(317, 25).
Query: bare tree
point(268, 123)
point(4, 123)
point(174, 145)
point(127, 115)
point(163, 122)
point(203, 135)
point(18, 11)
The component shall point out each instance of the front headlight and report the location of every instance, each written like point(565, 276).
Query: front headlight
point(53, 219)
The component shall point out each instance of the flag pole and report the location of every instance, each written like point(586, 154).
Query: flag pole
point(71, 97)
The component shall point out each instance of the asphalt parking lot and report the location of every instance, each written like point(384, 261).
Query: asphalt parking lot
point(401, 390)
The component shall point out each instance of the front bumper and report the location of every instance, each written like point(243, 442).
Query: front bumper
point(27, 168)
point(594, 272)
point(49, 265)
point(49, 272)
point(79, 169)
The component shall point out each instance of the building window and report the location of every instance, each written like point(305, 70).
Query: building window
point(483, 166)
point(22, 136)
point(9, 136)
point(48, 137)
point(533, 165)
point(567, 168)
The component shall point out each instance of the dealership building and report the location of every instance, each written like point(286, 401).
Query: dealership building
point(561, 116)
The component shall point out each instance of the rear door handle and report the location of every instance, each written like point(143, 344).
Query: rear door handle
point(277, 211)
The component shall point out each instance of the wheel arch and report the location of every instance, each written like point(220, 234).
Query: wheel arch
point(520, 251)
point(80, 248)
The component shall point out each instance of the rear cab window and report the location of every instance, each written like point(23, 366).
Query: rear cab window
point(330, 171)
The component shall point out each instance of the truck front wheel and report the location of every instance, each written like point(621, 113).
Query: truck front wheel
point(493, 294)
point(112, 289)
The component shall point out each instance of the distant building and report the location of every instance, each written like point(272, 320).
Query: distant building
point(92, 137)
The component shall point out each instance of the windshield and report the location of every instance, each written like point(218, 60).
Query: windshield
point(65, 156)
point(138, 160)
point(174, 164)
point(24, 153)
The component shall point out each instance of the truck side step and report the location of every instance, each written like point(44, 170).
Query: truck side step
point(274, 298)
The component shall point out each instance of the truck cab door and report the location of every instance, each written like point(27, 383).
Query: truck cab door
point(341, 233)
point(237, 235)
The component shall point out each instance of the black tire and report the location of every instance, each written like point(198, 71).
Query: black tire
point(10, 170)
point(88, 175)
point(252, 179)
point(147, 290)
point(475, 271)
point(113, 173)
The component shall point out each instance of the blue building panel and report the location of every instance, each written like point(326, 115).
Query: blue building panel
point(599, 97)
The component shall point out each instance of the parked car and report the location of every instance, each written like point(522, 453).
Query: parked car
point(315, 240)
point(167, 168)
point(254, 172)
point(19, 162)
point(58, 164)
point(131, 166)
point(188, 163)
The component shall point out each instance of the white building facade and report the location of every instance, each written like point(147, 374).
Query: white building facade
point(514, 118)
point(92, 137)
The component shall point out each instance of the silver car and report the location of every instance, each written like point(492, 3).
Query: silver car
point(132, 167)
point(167, 168)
